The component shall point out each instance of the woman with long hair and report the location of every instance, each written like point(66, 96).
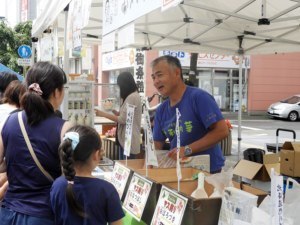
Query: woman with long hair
point(129, 95)
point(31, 174)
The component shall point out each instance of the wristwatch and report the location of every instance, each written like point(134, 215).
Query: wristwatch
point(187, 150)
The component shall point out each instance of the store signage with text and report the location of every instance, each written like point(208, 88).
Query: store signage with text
point(207, 60)
point(119, 178)
point(137, 196)
point(118, 59)
point(170, 208)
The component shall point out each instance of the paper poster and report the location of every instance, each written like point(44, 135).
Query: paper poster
point(119, 13)
point(137, 196)
point(119, 178)
point(150, 150)
point(128, 131)
point(170, 208)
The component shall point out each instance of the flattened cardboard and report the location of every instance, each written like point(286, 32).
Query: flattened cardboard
point(257, 171)
point(290, 158)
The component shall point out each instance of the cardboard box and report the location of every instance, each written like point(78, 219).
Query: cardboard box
point(257, 171)
point(206, 211)
point(290, 158)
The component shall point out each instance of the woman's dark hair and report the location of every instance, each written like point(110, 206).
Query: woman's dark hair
point(127, 84)
point(5, 79)
point(89, 142)
point(13, 93)
point(171, 61)
point(49, 77)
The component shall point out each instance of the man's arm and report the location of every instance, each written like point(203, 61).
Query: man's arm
point(217, 132)
point(158, 145)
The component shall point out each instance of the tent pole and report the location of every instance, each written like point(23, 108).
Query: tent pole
point(240, 104)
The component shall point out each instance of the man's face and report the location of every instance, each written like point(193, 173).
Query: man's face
point(164, 78)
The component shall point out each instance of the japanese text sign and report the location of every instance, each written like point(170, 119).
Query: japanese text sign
point(137, 196)
point(170, 208)
point(120, 177)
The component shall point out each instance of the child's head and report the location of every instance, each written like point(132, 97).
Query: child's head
point(80, 148)
point(79, 143)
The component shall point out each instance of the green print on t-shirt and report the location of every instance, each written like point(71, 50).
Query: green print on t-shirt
point(188, 128)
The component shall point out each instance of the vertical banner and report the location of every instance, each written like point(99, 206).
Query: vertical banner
point(150, 150)
point(170, 208)
point(178, 169)
point(277, 197)
point(139, 71)
point(128, 131)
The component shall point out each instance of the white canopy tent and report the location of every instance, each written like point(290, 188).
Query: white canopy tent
point(242, 27)
point(237, 27)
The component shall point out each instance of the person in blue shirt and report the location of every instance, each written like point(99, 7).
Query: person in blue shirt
point(202, 125)
point(78, 197)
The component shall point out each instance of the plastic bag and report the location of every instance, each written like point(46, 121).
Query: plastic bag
point(220, 181)
point(291, 204)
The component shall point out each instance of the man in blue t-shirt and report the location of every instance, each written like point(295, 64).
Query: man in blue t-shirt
point(201, 123)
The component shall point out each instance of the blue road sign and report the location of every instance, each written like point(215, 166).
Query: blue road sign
point(24, 51)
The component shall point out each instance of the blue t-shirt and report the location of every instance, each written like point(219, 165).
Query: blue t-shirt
point(98, 198)
point(28, 190)
point(199, 111)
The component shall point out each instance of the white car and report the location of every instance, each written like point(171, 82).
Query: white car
point(288, 108)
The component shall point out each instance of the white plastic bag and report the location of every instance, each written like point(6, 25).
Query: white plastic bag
point(292, 201)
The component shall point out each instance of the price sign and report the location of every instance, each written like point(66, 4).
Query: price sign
point(119, 178)
point(137, 196)
point(170, 208)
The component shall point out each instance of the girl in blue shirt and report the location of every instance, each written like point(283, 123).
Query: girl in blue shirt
point(78, 197)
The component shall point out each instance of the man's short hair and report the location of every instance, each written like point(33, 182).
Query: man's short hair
point(171, 60)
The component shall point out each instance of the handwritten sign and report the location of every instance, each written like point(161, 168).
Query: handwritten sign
point(277, 197)
point(150, 150)
point(170, 208)
point(128, 129)
point(137, 196)
point(119, 178)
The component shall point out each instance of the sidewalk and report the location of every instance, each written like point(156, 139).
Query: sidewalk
point(245, 116)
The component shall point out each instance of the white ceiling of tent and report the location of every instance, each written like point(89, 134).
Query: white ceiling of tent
point(211, 26)
point(215, 25)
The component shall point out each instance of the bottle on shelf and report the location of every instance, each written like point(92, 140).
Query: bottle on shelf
point(80, 119)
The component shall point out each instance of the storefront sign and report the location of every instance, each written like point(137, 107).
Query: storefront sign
point(170, 208)
point(118, 13)
point(139, 71)
point(137, 196)
point(118, 59)
point(119, 178)
point(128, 129)
point(207, 60)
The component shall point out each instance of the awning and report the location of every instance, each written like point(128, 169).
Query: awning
point(6, 69)
point(51, 10)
